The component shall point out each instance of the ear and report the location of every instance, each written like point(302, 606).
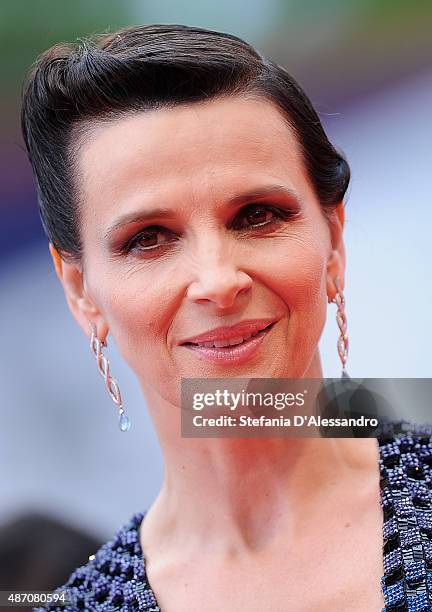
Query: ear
point(336, 262)
point(81, 305)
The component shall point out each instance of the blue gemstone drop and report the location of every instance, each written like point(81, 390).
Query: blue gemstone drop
point(124, 422)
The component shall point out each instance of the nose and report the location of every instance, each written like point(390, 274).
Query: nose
point(218, 279)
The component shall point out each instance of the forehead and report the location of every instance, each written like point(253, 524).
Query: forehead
point(190, 153)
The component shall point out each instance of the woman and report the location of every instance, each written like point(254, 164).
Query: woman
point(192, 199)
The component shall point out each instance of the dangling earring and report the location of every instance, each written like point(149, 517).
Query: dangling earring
point(96, 345)
point(342, 343)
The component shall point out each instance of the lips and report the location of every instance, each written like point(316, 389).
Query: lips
point(225, 343)
point(229, 336)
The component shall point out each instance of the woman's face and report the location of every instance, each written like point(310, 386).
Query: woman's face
point(198, 217)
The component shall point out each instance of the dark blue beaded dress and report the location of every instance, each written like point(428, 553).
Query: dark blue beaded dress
point(114, 579)
point(406, 484)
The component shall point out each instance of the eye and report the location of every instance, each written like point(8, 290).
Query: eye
point(257, 215)
point(153, 238)
point(147, 239)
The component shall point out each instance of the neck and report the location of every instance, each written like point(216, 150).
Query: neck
point(239, 494)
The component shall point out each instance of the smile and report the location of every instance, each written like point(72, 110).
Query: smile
point(230, 351)
point(231, 341)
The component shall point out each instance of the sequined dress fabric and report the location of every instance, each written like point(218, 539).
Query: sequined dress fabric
point(406, 483)
point(114, 579)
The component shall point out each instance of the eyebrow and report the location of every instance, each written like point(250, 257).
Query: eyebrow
point(164, 212)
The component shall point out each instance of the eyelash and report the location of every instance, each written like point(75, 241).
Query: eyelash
point(279, 215)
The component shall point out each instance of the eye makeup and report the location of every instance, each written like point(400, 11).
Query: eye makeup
point(135, 244)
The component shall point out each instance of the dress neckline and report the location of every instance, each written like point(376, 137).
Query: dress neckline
point(406, 503)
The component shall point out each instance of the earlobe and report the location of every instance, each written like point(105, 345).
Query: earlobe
point(335, 270)
point(80, 303)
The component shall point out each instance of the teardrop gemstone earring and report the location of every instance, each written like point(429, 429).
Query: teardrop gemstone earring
point(341, 319)
point(112, 386)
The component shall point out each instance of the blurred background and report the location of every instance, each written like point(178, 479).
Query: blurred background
point(366, 65)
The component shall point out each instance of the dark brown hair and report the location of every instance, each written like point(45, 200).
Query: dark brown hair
point(146, 67)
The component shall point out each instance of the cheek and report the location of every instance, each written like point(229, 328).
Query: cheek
point(300, 281)
point(138, 309)
point(298, 269)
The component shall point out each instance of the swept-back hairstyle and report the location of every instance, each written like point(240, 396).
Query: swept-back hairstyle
point(72, 86)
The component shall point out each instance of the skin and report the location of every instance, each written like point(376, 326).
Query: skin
point(224, 502)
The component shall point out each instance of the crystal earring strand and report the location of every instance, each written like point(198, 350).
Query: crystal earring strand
point(113, 389)
point(341, 319)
